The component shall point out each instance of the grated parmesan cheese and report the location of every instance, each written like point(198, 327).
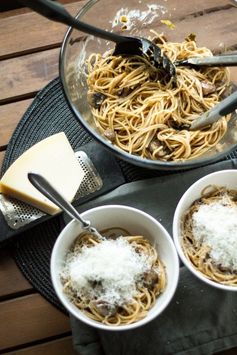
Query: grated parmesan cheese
point(108, 271)
point(215, 225)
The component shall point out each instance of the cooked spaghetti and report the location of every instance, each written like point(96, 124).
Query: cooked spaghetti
point(141, 111)
point(209, 235)
point(114, 281)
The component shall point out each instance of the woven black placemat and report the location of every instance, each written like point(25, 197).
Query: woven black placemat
point(48, 114)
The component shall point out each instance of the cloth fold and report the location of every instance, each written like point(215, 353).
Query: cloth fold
point(200, 319)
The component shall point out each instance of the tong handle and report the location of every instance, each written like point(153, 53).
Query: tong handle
point(226, 106)
point(216, 61)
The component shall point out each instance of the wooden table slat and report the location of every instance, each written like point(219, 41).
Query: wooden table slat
point(232, 351)
point(11, 279)
point(16, 11)
point(216, 30)
point(29, 60)
point(24, 76)
point(30, 318)
point(43, 32)
point(1, 158)
point(10, 115)
point(62, 346)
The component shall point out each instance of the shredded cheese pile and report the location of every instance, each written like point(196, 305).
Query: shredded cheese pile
point(109, 271)
point(215, 225)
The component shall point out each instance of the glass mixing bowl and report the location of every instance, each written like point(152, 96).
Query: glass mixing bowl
point(213, 22)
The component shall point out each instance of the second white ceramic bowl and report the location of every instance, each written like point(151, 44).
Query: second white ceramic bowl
point(135, 222)
point(227, 178)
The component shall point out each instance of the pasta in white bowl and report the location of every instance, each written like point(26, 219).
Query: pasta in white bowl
point(120, 282)
point(205, 229)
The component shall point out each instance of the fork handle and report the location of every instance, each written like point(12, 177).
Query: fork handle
point(56, 12)
point(42, 185)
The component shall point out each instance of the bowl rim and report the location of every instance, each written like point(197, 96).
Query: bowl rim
point(87, 320)
point(177, 237)
point(131, 158)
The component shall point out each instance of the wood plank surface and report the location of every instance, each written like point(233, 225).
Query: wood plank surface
point(178, 10)
point(232, 351)
point(30, 318)
point(215, 30)
point(43, 32)
point(16, 10)
point(29, 50)
point(11, 279)
point(62, 346)
point(24, 76)
point(1, 158)
point(13, 12)
point(10, 115)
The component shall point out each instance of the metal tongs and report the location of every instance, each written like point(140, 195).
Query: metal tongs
point(227, 60)
point(226, 106)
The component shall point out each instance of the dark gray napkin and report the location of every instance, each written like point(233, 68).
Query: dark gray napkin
point(200, 319)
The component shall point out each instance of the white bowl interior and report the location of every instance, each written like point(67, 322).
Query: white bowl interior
point(226, 178)
point(137, 223)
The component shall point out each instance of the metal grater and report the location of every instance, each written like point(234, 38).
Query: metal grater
point(17, 214)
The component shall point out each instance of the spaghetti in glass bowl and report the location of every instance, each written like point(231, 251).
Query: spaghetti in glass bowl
point(122, 281)
point(134, 109)
point(205, 229)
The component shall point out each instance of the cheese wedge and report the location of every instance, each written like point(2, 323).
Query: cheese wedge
point(54, 159)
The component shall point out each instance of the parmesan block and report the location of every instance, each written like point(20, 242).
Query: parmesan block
point(55, 160)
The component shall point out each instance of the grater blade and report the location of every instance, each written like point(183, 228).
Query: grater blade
point(18, 214)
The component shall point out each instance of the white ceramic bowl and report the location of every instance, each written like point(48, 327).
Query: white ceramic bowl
point(137, 223)
point(227, 178)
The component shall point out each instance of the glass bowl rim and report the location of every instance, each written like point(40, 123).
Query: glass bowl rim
point(131, 158)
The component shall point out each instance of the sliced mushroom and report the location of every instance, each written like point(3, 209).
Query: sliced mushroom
point(207, 88)
point(150, 279)
point(191, 37)
point(124, 92)
point(105, 309)
point(160, 39)
point(154, 145)
point(110, 135)
point(179, 126)
point(95, 99)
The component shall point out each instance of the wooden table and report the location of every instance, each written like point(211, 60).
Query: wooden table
point(29, 60)
point(29, 53)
